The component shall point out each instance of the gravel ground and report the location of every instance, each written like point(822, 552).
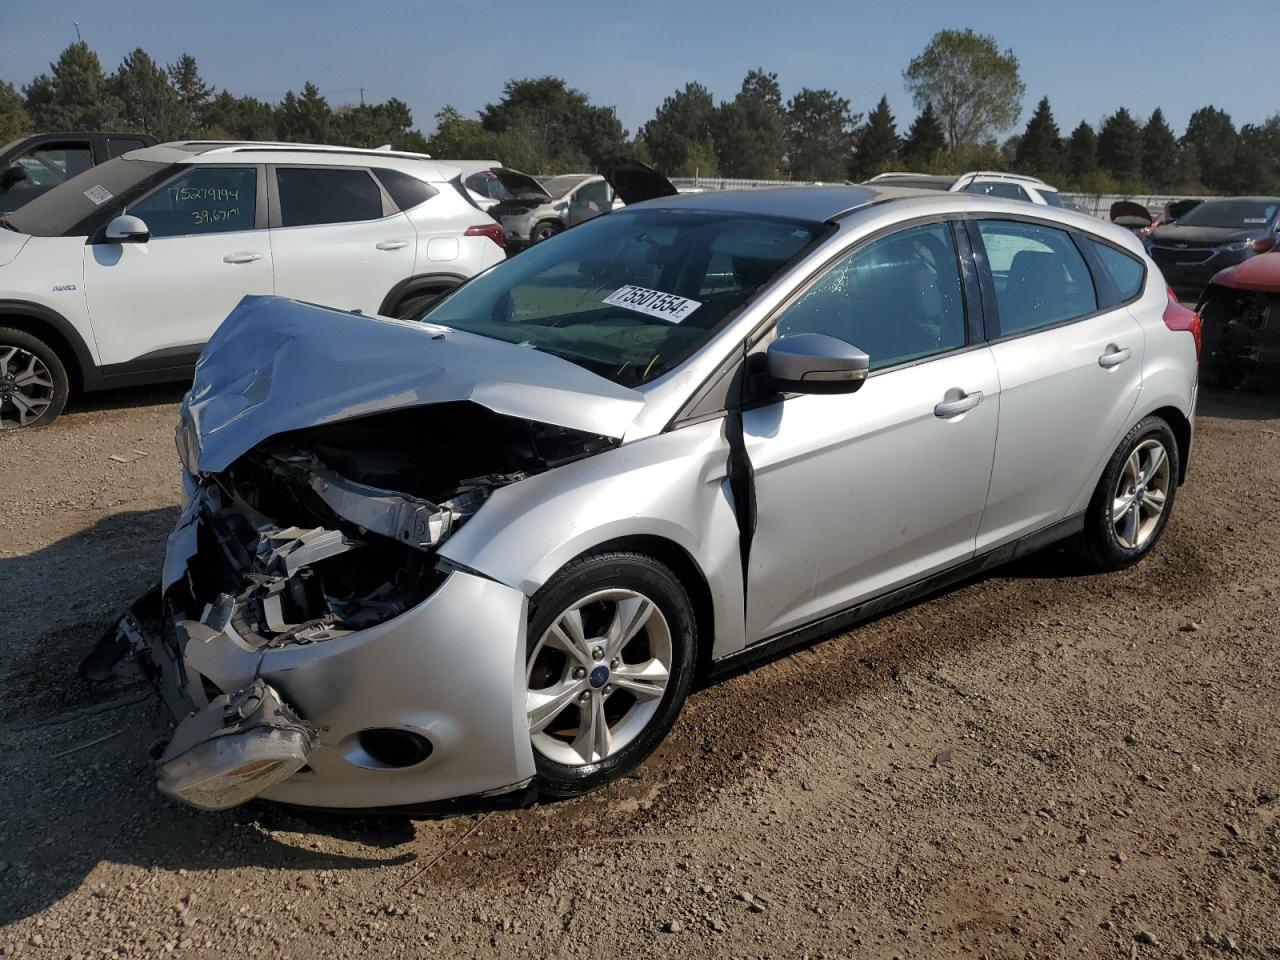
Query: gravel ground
point(1038, 763)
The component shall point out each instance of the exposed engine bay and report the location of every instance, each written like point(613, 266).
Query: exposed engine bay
point(320, 532)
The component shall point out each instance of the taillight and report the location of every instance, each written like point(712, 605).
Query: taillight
point(491, 230)
point(1264, 244)
point(1178, 317)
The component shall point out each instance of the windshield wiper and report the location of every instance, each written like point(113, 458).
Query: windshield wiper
point(4, 222)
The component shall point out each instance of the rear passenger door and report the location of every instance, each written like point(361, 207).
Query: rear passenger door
point(1069, 357)
point(337, 238)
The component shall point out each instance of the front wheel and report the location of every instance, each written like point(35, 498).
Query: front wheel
point(33, 381)
point(544, 231)
point(611, 649)
point(1133, 500)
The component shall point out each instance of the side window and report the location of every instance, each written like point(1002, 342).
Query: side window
point(49, 165)
point(1126, 272)
point(311, 196)
point(597, 193)
point(120, 145)
point(208, 199)
point(998, 188)
point(898, 298)
point(1040, 277)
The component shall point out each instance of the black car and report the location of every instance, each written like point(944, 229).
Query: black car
point(1213, 235)
point(33, 165)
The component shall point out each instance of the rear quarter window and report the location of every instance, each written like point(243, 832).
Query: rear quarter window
point(407, 191)
point(1125, 271)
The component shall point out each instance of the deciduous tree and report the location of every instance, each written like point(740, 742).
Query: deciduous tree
point(974, 87)
point(14, 121)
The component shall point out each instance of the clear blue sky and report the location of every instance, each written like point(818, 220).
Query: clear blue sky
point(1089, 56)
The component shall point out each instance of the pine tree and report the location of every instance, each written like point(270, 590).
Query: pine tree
point(1160, 160)
point(750, 131)
point(925, 141)
point(1082, 152)
point(1212, 140)
point(193, 93)
point(14, 121)
point(819, 135)
point(75, 96)
point(1120, 146)
point(1039, 150)
point(147, 104)
point(877, 144)
point(307, 118)
point(678, 137)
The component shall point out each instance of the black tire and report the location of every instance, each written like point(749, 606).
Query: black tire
point(411, 307)
point(544, 230)
point(654, 581)
point(1099, 544)
point(53, 397)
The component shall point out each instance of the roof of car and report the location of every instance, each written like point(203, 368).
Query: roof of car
point(248, 151)
point(801, 202)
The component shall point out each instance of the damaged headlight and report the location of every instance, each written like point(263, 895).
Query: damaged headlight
point(238, 746)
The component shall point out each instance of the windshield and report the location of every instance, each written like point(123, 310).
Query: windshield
point(632, 294)
point(1051, 198)
point(74, 208)
point(559, 186)
point(1240, 214)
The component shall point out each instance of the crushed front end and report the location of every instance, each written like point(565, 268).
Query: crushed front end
point(308, 642)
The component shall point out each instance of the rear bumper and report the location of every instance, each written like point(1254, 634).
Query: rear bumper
point(450, 670)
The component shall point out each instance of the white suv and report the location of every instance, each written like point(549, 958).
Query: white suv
point(989, 183)
point(120, 275)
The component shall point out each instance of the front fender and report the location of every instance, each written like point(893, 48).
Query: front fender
point(672, 486)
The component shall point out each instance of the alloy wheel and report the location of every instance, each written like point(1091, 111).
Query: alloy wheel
point(26, 387)
point(1140, 494)
point(597, 676)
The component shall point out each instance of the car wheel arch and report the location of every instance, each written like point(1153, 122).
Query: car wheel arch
point(61, 336)
point(416, 286)
point(1181, 428)
point(680, 562)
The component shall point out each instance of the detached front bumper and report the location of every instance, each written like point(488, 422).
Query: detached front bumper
point(448, 672)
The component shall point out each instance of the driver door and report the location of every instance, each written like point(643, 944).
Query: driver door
point(160, 301)
point(857, 494)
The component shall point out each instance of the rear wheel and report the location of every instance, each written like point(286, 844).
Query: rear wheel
point(33, 381)
point(610, 658)
point(410, 308)
point(1134, 499)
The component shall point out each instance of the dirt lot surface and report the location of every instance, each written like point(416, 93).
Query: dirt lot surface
point(1037, 763)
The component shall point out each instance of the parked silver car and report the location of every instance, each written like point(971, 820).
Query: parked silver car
point(489, 552)
point(537, 208)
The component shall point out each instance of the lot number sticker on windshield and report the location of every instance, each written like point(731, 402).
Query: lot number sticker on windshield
point(655, 303)
point(99, 195)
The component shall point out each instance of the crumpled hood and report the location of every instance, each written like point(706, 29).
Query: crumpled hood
point(276, 365)
point(10, 243)
point(1257, 273)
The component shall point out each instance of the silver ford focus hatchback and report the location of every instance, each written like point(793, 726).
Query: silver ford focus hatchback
point(488, 551)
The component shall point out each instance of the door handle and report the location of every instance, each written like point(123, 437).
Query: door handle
point(392, 244)
point(1113, 356)
point(953, 408)
point(241, 257)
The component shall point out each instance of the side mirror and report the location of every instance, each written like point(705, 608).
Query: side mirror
point(127, 229)
point(815, 363)
point(12, 175)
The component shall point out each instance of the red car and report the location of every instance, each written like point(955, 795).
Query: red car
point(1240, 310)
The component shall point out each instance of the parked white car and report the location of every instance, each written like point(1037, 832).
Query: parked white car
point(120, 275)
point(987, 183)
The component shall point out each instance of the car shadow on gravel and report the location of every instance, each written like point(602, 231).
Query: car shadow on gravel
point(1258, 398)
point(127, 397)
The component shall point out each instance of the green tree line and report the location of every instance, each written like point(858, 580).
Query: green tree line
point(966, 90)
